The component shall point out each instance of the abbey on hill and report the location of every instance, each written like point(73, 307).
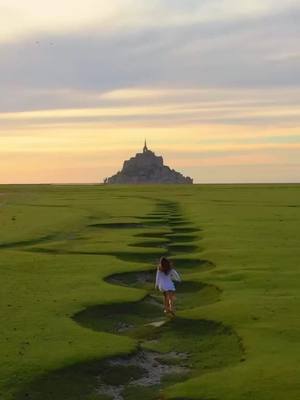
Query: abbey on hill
point(146, 167)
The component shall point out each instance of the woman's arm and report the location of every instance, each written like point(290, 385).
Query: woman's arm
point(175, 276)
point(156, 280)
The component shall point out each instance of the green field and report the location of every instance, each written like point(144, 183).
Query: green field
point(78, 310)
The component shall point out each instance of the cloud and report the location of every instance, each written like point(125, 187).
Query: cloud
point(166, 106)
point(22, 19)
point(19, 18)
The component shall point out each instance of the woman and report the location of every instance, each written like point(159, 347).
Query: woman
point(165, 276)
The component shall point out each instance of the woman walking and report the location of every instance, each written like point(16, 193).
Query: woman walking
point(165, 277)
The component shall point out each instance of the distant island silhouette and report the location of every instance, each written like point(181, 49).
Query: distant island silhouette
point(146, 167)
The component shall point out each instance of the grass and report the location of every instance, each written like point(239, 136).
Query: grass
point(238, 310)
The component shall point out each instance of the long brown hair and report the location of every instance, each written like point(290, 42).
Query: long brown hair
point(165, 265)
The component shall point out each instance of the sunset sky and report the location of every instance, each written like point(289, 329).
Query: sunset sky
point(212, 84)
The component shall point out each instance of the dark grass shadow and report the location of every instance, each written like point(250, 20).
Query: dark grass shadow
point(181, 238)
point(179, 223)
point(156, 222)
point(150, 258)
point(182, 248)
point(192, 263)
point(118, 225)
point(79, 382)
point(154, 217)
point(46, 205)
point(31, 242)
point(151, 243)
point(153, 234)
point(185, 229)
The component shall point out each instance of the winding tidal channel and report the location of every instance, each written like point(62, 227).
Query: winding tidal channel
point(169, 350)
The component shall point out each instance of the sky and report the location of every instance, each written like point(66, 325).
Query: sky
point(212, 84)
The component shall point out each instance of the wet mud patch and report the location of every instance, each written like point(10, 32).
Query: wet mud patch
point(137, 376)
point(144, 373)
point(216, 345)
point(133, 279)
point(121, 318)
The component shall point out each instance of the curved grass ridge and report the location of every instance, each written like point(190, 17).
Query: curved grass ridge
point(178, 348)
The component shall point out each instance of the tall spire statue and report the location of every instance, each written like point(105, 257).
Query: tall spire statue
point(145, 149)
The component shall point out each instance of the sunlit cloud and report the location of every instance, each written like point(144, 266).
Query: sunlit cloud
point(186, 105)
point(33, 16)
point(24, 18)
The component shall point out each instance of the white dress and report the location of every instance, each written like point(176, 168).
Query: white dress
point(165, 282)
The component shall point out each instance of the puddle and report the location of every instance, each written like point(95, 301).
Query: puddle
point(143, 369)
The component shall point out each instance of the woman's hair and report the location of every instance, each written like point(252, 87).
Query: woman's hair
point(165, 265)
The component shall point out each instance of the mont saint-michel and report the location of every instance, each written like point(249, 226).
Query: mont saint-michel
point(146, 167)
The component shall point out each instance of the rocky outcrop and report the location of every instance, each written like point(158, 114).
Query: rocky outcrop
point(146, 167)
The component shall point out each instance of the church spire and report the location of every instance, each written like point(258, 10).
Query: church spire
point(145, 149)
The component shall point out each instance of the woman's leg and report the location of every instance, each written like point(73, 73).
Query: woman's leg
point(169, 296)
point(172, 301)
point(166, 302)
point(169, 299)
point(172, 297)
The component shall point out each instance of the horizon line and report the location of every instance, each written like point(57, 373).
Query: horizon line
point(148, 184)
